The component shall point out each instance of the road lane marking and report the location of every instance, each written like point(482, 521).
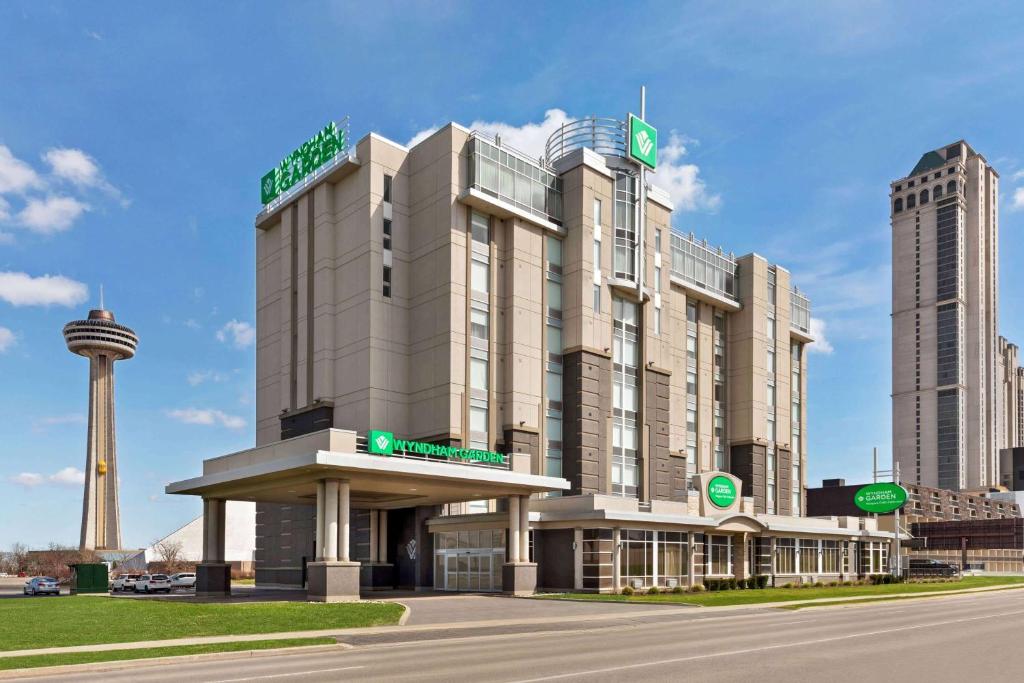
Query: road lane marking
point(763, 648)
point(287, 675)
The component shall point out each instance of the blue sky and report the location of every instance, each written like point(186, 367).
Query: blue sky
point(132, 140)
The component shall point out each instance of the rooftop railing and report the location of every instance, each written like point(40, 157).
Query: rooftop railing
point(700, 265)
point(800, 311)
point(606, 136)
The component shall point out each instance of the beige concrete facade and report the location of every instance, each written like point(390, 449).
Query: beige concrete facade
point(328, 336)
point(946, 379)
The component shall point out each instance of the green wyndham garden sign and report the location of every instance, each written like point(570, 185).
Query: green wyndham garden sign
point(880, 498)
point(721, 491)
point(311, 155)
point(643, 142)
point(380, 442)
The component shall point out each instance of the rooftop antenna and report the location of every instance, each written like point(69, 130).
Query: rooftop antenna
point(101, 298)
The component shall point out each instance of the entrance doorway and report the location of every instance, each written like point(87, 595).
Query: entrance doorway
point(469, 560)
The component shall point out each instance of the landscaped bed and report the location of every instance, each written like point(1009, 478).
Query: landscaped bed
point(754, 596)
point(85, 620)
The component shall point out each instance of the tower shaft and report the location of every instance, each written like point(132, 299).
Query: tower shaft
point(101, 523)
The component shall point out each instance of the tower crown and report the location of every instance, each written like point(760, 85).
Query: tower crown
point(100, 333)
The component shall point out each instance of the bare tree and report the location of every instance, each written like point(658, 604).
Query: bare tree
point(168, 554)
point(18, 558)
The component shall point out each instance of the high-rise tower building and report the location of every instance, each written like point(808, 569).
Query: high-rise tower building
point(102, 341)
point(945, 350)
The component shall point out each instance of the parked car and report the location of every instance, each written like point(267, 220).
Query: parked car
point(124, 582)
point(153, 583)
point(41, 585)
point(932, 567)
point(185, 580)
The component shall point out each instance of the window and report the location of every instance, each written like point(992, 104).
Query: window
point(387, 281)
point(657, 278)
point(924, 196)
point(625, 391)
point(387, 233)
point(770, 361)
point(553, 362)
point(936, 191)
point(897, 206)
point(808, 556)
point(478, 424)
point(480, 228)
point(785, 556)
point(830, 557)
point(797, 488)
point(479, 322)
point(911, 201)
point(597, 299)
point(951, 186)
point(719, 556)
point(625, 229)
point(597, 260)
point(657, 240)
point(637, 556)
point(691, 313)
point(597, 214)
point(770, 498)
point(387, 188)
point(657, 321)
point(478, 374)
point(673, 560)
point(691, 383)
point(480, 279)
point(770, 459)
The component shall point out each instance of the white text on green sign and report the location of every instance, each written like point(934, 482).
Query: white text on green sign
point(380, 442)
point(643, 142)
point(311, 155)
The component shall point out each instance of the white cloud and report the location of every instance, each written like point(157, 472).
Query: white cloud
point(80, 169)
point(70, 476)
point(15, 174)
point(200, 376)
point(240, 334)
point(42, 423)
point(197, 416)
point(682, 181)
point(21, 289)
point(1018, 199)
point(821, 343)
point(192, 324)
point(7, 339)
point(5, 209)
point(1019, 175)
point(51, 215)
point(28, 479)
point(95, 35)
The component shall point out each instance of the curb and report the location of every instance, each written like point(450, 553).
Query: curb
point(117, 665)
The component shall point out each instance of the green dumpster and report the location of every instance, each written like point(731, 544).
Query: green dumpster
point(89, 577)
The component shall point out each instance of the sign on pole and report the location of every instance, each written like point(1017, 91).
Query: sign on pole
point(881, 498)
point(643, 142)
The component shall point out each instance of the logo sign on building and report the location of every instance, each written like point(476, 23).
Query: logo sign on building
point(643, 142)
point(721, 491)
point(880, 498)
point(310, 156)
point(380, 442)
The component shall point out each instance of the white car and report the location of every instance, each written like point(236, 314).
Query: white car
point(153, 583)
point(41, 585)
point(125, 582)
point(183, 580)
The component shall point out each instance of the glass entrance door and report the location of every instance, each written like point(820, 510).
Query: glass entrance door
point(469, 560)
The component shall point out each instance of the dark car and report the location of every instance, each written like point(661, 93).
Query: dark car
point(930, 567)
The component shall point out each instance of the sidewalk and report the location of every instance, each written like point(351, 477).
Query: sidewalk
point(618, 611)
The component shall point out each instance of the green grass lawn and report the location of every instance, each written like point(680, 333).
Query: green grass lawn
point(86, 620)
point(34, 661)
point(750, 597)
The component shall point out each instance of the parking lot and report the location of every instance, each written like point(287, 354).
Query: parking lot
point(13, 587)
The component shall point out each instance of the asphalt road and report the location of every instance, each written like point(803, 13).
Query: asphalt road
point(971, 637)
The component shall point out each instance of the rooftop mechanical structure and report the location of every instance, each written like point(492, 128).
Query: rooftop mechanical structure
point(102, 341)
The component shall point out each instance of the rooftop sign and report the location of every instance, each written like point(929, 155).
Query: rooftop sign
point(643, 142)
point(302, 162)
point(380, 442)
point(880, 498)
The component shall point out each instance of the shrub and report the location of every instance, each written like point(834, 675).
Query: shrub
point(627, 590)
point(847, 583)
point(819, 584)
point(762, 581)
point(833, 584)
point(653, 590)
point(730, 583)
point(697, 588)
point(787, 585)
point(679, 589)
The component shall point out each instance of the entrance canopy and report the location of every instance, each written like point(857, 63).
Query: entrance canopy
point(288, 472)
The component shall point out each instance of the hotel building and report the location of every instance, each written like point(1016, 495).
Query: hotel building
point(477, 370)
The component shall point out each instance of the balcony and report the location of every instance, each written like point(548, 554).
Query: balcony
point(514, 179)
point(705, 269)
point(800, 314)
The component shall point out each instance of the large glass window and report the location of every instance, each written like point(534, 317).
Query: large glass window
point(698, 264)
point(480, 276)
point(479, 323)
point(479, 330)
point(673, 559)
point(553, 363)
point(808, 556)
point(719, 556)
point(830, 557)
point(514, 178)
point(637, 556)
point(625, 226)
point(785, 556)
point(478, 373)
point(625, 390)
point(480, 229)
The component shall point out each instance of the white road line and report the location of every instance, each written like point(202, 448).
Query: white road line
point(287, 675)
point(731, 653)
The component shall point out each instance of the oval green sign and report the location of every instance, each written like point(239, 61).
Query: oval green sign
point(721, 491)
point(880, 498)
